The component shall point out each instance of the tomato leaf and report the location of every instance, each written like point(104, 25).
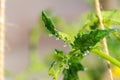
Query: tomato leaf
point(72, 68)
point(51, 27)
point(87, 41)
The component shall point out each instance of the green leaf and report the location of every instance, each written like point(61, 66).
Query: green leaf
point(71, 70)
point(56, 68)
point(95, 25)
point(51, 27)
point(68, 64)
point(87, 41)
point(51, 71)
point(91, 21)
point(117, 35)
point(48, 23)
point(58, 55)
point(111, 16)
point(58, 65)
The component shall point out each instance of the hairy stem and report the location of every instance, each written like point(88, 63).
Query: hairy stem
point(104, 40)
point(2, 37)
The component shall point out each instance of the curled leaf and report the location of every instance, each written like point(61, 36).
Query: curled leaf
point(51, 27)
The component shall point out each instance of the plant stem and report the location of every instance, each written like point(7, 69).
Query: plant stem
point(105, 47)
point(2, 37)
point(104, 55)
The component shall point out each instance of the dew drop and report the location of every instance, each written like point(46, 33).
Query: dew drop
point(76, 54)
point(55, 52)
point(57, 38)
point(69, 63)
point(67, 67)
point(56, 34)
point(85, 54)
point(50, 35)
point(90, 47)
point(64, 45)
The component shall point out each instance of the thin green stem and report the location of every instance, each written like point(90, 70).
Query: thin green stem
point(105, 56)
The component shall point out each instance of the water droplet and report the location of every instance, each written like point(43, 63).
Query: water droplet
point(57, 38)
point(67, 67)
point(50, 35)
point(56, 34)
point(69, 63)
point(85, 54)
point(76, 54)
point(65, 46)
point(90, 47)
point(55, 52)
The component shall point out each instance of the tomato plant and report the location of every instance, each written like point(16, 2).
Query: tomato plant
point(86, 41)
